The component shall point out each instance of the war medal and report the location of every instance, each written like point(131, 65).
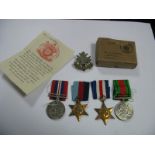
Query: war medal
point(83, 62)
point(80, 92)
point(122, 91)
point(101, 90)
point(56, 109)
point(78, 109)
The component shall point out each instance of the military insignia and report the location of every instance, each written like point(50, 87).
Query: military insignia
point(49, 50)
point(83, 61)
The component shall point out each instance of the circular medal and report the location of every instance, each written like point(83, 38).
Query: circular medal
point(123, 111)
point(55, 110)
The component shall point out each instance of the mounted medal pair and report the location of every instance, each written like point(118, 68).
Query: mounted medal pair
point(80, 92)
point(100, 90)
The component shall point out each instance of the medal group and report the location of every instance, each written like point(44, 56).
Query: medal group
point(80, 93)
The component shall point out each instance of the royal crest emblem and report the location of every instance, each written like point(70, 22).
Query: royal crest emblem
point(48, 50)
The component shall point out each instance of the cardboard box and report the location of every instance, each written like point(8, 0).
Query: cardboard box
point(115, 53)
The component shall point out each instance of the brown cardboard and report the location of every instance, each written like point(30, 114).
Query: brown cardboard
point(115, 53)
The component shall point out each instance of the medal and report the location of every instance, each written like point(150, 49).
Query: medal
point(123, 111)
point(101, 90)
point(56, 109)
point(122, 91)
point(83, 62)
point(80, 92)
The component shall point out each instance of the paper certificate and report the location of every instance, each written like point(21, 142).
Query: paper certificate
point(37, 62)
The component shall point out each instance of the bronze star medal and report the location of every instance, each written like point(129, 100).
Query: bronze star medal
point(104, 113)
point(78, 110)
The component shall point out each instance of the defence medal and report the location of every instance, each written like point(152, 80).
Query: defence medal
point(83, 62)
point(56, 109)
point(122, 91)
point(80, 92)
point(101, 90)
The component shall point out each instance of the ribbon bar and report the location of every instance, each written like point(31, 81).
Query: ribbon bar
point(59, 89)
point(80, 89)
point(100, 88)
point(121, 89)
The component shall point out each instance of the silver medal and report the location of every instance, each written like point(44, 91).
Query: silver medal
point(124, 111)
point(55, 110)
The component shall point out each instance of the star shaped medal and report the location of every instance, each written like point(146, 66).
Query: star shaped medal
point(80, 92)
point(78, 109)
point(101, 90)
point(104, 113)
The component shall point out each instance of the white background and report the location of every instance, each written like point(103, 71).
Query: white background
point(26, 115)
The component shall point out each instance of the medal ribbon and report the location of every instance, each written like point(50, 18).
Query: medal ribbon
point(80, 90)
point(121, 89)
point(59, 89)
point(100, 88)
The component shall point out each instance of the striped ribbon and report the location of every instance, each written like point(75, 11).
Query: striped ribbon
point(100, 88)
point(80, 90)
point(59, 89)
point(121, 89)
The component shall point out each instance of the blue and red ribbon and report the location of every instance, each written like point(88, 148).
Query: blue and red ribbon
point(59, 89)
point(100, 88)
point(80, 89)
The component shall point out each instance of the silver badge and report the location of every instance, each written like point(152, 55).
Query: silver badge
point(83, 62)
point(124, 111)
point(55, 110)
